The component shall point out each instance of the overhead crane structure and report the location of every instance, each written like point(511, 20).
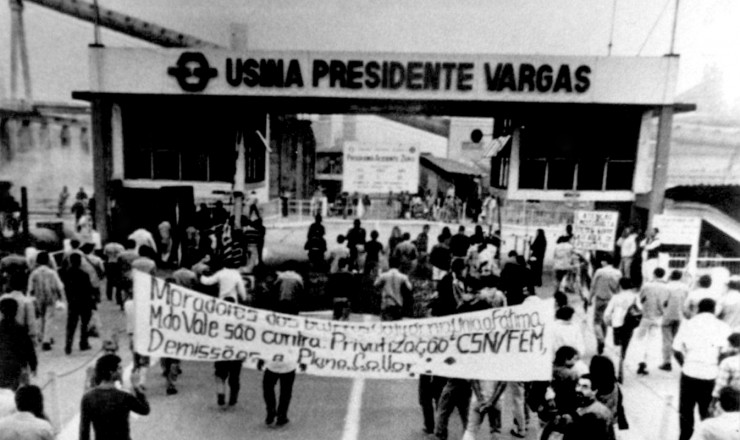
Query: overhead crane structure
point(91, 13)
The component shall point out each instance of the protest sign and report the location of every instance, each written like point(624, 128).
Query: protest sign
point(509, 343)
point(595, 230)
point(674, 229)
point(374, 168)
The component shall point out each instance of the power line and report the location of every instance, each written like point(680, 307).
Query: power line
point(655, 24)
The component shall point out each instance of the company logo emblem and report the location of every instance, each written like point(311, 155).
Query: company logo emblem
point(192, 71)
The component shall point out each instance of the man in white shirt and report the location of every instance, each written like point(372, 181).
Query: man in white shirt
point(725, 426)
point(627, 247)
point(728, 308)
point(566, 332)
point(25, 424)
point(697, 347)
point(604, 285)
point(230, 284)
point(652, 295)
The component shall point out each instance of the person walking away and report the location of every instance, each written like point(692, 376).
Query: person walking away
point(290, 288)
point(422, 241)
point(142, 237)
point(515, 280)
point(356, 236)
point(478, 237)
point(316, 228)
point(695, 296)
point(26, 314)
point(627, 244)
point(728, 307)
point(47, 289)
point(105, 408)
point(651, 248)
point(373, 251)
point(392, 284)
point(228, 372)
point(725, 425)
point(616, 316)
point(316, 248)
point(339, 287)
point(17, 356)
point(592, 420)
point(455, 392)
point(459, 244)
point(405, 254)
point(562, 258)
point(604, 285)
point(651, 298)
point(337, 253)
point(80, 301)
point(62, 203)
point(673, 303)
point(167, 248)
point(440, 257)
point(278, 369)
point(29, 422)
point(537, 250)
point(486, 395)
point(97, 274)
point(729, 368)
point(112, 252)
point(566, 332)
point(127, 257)
point(697, 347)
point(230, 282)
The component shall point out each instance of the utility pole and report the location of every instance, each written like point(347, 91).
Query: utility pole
point(673, 31)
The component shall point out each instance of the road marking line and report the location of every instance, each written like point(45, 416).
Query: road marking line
point(352, 419)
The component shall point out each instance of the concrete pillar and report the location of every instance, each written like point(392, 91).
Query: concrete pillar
point(101, 158)
point(660, 167)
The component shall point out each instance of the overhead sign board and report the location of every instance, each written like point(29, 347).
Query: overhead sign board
point(675, 229)
point(372, 75)
point(373, 168)
point(595, 230)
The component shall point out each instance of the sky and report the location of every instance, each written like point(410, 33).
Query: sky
point(708, 32)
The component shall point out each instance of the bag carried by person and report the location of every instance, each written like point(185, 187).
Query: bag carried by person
point(634, 316)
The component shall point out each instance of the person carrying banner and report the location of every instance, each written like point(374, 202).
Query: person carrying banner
point(278, 369)
point(392, 284)
point(230, 282)
point(227, 372)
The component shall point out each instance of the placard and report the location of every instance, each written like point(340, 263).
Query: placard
point(375, 168)
point(508, 343)
point(674, 229)
point(595, 230)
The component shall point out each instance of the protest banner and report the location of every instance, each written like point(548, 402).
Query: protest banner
point(509, 343)
point(595, 230)
point(681, 230)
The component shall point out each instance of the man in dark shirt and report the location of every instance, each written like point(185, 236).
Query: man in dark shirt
point(355, 237)
point(516, 281)
point(80, 301)
point(17, 354)
point(340, 287)
point(107, 408)
point(459, 243)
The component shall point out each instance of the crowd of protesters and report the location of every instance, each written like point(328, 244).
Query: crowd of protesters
point(408, 277)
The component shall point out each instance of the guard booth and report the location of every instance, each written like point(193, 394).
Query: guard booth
point(577, 125)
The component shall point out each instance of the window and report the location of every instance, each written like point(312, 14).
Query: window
point(189, 144)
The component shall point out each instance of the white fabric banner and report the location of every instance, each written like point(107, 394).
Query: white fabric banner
point(509, 344)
